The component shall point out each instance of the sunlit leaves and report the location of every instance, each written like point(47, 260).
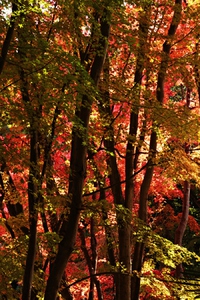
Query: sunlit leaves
point(48, 70)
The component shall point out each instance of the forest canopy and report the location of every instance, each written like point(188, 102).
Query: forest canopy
point(99, 149)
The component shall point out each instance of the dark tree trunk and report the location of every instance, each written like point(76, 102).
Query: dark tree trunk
point(196, 66)
point(122, 279)
point(94, 263)
point(185, 205)
point(183, 223)
point(132, 155)
point(91, 263)
point(139, 247)
point(110, 246)
point(8, 38)
point(78, 170)
point(33, 182)
point(33, 215)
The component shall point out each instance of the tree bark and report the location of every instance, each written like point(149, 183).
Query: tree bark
point(78, 170)
point(185, 205)
point(91, 262)
point(139, 247)
point(166, 50)
point(132, 152)
point(34, 180)
point(8, 38)
point(196, 66)
point(183, 223)
point(33, 216)
point(122, 280)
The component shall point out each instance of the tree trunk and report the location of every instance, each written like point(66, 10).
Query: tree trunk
point(183, 223)
point(138, 253)
point(78, 171)
point(9, 35)
point(110, 245)
point(132, 152)
point(139, 247)
point(186, 202)
point(91, 263)
point(33, 215)
point(196, 66)
point(123, 280)
point(185, 205)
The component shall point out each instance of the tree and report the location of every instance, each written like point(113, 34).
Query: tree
point(95, 105)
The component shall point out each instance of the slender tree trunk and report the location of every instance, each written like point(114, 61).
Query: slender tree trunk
point(124, 240)
point(110, 244)
point(183, 223)
point(196, 66)
point(33, 215)
point(123, 279)
point(132, 152)
point(94, 262)
point(8, 38)
point(139, 247)
point(78, 171)
point(33, 183)
point(91, 262)
point(185, 205)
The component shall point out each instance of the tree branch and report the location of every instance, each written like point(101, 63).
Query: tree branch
point(7, 41)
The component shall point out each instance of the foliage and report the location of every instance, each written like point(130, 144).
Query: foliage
point(99, 132)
